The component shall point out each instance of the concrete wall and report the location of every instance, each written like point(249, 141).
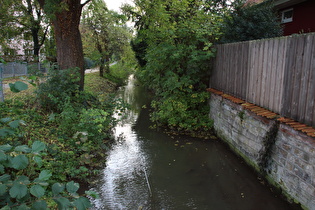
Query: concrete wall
point(285, 156)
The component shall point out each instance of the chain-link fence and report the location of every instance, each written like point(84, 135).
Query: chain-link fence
point(15, 69)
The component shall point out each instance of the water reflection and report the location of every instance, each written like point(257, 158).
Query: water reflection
point(124, 184)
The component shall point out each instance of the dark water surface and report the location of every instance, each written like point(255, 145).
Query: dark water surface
point(148, 169)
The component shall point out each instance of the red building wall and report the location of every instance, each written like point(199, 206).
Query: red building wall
point(303, 18)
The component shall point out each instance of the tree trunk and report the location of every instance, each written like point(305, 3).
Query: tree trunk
point(102, 70)
point(68, 38)
point(37, 46)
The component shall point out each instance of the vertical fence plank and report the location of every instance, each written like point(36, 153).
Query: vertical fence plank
point(305, 75)
point(288, 80)
point(264, 98)
point(254, 59)
point(310, 101)
point(279, 71)
point(297, 71)
point(272, 75)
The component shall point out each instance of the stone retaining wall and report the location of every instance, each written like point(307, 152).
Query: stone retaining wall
point(284, 155)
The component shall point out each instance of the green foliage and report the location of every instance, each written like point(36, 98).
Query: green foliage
point(104, 33)
point(89, 63)
point(176, 37)
point(60, 86)
point(22, 187)
point(22, 20)
point(77, 129)
point(251, 22)
point(120, 71)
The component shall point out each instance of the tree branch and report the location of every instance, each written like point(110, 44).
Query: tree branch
point(44, 36)
point(87, 1)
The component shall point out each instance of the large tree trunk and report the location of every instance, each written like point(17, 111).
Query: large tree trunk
point(68, 38)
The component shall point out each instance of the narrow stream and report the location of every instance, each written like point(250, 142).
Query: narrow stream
point(148, 169)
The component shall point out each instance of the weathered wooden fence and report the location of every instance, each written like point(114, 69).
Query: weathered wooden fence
point(277, 74)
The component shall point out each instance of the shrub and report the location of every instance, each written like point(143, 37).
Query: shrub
point(60, 85)
point(251, 22)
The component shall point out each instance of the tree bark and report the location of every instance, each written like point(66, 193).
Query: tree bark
point(68, 38)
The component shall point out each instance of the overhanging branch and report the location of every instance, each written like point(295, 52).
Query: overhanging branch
point(87, 1)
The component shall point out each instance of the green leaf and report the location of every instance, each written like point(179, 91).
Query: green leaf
point(40, 182)
point(38, 160)
point(37, 190)
point(45, 175)
point(1, 168)
point(3, 189)
point(19, 162)
point(63, 203)
point(57, 188)
point(18, 86)
point(38, 147)
point(22, 148)
point(22, 207)
point(15, 124)
point(3, 156)
point(22, 180)
point(72, 187)
point(6, 147)
point(40, 205)
point(6, 131)
point(82, 203)
point(5, 120)
point(93, 194)
point(5, 177)
point(18, 191)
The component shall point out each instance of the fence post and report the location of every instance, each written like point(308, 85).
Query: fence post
point(1, 86)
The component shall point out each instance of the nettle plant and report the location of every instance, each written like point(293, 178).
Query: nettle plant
point(23, 188)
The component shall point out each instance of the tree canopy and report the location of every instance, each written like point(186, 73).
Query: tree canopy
point(105, 34)
point(23, 20)
point(250, 22)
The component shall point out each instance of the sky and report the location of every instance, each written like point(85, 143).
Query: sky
point(115, 4)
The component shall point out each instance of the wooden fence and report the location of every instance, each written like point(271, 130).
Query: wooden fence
point(277, 74)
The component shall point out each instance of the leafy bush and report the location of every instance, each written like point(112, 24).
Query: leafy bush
point(175, 44)
point(60, 85)
point(24, 184)
point(251, 22)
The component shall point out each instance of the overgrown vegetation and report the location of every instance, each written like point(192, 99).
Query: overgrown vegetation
point(174, 47)
point(53, 137)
